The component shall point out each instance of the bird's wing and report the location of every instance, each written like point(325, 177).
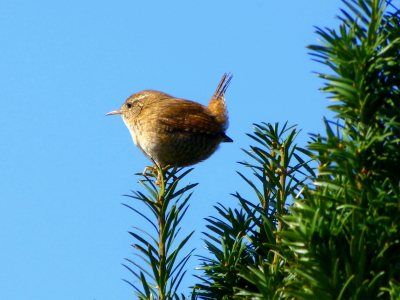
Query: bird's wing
point(184, 115)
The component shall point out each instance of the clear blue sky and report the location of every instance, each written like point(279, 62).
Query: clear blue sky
point(65, 165)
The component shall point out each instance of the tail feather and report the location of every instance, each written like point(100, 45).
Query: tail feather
point(217, 104)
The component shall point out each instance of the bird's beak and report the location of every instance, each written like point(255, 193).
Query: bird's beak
point(115, 112)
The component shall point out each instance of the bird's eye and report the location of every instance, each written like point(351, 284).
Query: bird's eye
point(129, 104)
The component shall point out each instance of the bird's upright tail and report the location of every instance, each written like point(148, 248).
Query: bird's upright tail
point(217, 104)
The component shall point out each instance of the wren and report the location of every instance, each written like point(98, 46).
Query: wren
point(176, 132)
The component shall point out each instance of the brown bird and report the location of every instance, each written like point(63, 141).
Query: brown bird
point(176, 132)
